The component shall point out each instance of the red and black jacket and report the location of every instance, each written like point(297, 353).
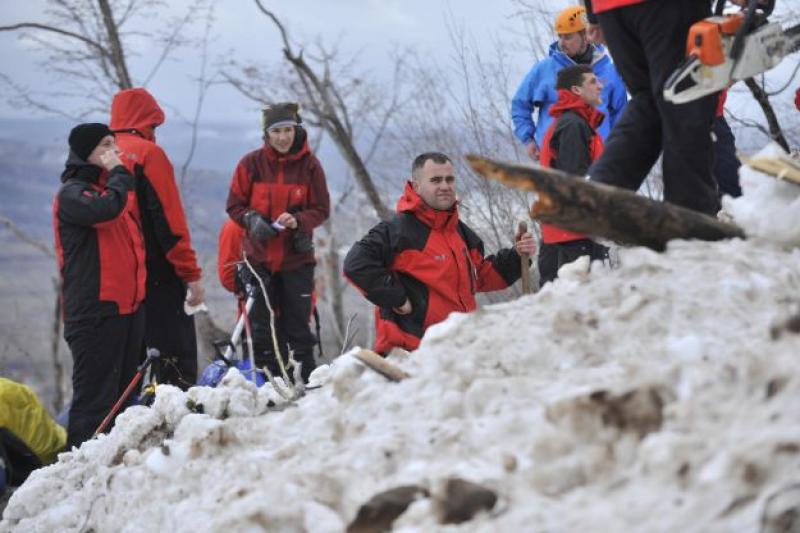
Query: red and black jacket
point(571, 144)
point(229, 253)
point(429, 257)
point(272, 183)
point(598, 6)
point(134, 117)
point(99, 244)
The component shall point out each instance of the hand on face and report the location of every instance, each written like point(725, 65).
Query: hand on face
point(105, 154)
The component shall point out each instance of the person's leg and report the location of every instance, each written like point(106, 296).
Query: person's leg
point(172, 332)
point(547, 263)
point(634, 144)
point(259, 316)
point(296, 303)
point(133, 353)
point(686, 128)
point(726, 164)
point(96, 346)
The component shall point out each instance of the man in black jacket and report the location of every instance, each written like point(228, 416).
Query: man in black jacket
point(101, 258)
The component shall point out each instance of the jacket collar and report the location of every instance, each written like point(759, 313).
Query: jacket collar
point(411, 202)
point(77, 168)
point(599, 55)
point(569, 101)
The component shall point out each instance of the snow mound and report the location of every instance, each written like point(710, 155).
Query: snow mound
point(661, 396)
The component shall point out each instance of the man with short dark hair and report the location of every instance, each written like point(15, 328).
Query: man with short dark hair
point(424, 263)
point(571, 143)
point(538, 90)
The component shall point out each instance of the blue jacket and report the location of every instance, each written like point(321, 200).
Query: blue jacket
point(538, 89)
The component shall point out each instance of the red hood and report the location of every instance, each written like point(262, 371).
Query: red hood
point(136, 109)
point(569, 101)
point(411, 202)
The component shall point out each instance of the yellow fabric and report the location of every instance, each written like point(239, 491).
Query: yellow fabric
point(22, 414)
point(571, 19)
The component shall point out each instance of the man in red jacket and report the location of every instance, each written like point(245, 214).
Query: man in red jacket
point(101, 258)
point(647, 39)
point(173, 274)
point(424, 263)
point(571, 144)
point(279, 195)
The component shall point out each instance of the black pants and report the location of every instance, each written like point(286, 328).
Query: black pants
point(105, 354)
point(648, 42)
point(554, 256)
point(290, 296)
point(726, 164)
point(172, 332)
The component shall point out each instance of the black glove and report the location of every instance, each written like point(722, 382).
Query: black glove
point(258, 227)
point(302, 242)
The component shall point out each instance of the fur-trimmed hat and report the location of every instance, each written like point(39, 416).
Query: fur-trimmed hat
point(280, 114)
point(84, 138)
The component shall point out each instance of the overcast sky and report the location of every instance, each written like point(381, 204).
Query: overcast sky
point(371, 28)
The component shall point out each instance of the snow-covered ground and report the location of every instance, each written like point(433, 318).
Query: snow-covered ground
point(660, 396)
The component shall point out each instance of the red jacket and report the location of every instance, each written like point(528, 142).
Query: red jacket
point(598, 6)
point(134, 116)
point(429, 257)
point(272, 183)
point(229, 253)
point(574, 136)
point(99, 243)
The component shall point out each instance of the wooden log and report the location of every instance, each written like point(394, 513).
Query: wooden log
point(522, 228)
point(380, 365)
point(600, 210)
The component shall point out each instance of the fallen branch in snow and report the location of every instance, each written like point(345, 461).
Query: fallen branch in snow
point(380, 365)
point(600, 210)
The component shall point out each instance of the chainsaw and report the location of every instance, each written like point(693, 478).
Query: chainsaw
point(723, 49)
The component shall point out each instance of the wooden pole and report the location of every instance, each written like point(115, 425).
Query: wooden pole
point(524, 259)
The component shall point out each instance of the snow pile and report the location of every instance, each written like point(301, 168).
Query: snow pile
point(662, 396)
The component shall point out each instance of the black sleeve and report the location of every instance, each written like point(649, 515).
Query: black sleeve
point(80, 204)
point(573, 147)
point(367, 267)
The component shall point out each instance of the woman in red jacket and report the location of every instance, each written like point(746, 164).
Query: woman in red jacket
point(279, 195)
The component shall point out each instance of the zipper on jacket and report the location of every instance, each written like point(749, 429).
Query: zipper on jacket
point(470, 271)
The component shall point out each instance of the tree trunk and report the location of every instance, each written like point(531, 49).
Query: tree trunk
point(55, 343)
point(334, 268)
point(599, 210)
point(123, 78)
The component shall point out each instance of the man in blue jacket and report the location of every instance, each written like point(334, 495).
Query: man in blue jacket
point(538, 88)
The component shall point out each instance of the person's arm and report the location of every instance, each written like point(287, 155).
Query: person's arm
point(318, 205)
point(238, 203)
point(366, 266)
point(163, 207)
point(618, 99)
point(82, 205)
point(573, 147)
point(522, 108)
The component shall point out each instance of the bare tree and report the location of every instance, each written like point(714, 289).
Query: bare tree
point(87, 45)
point(55, 332)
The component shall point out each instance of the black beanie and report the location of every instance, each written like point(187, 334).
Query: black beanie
point(282, 114)
point(84, 138)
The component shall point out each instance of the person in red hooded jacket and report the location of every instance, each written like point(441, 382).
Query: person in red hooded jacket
point(101, 259)
point(278, 195)
point(571, 144)
point(173, 275)
point(424, 263)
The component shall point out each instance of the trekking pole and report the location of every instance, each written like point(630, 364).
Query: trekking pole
point(522, 228)
point(237, 330)
point(152, 355)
